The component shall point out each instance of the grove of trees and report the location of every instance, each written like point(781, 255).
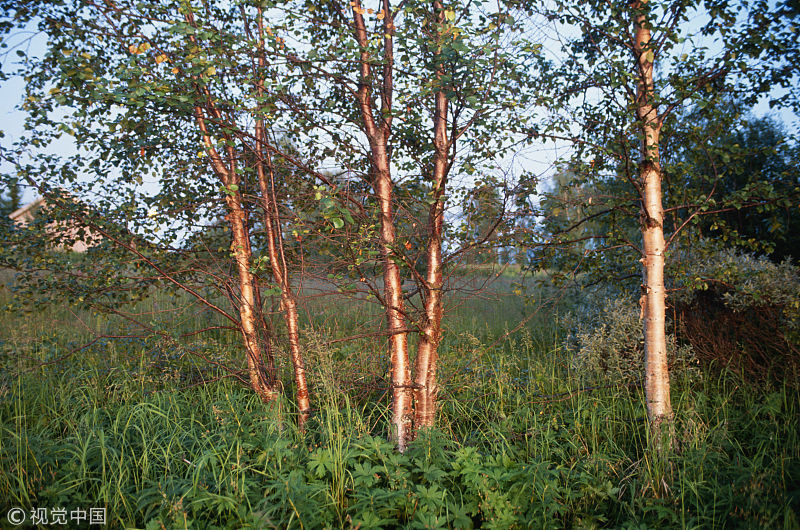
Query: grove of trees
point(235, 151)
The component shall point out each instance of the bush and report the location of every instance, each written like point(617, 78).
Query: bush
point(740, 311)
point(608, 342)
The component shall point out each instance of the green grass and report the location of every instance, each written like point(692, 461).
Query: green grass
point(123, 424)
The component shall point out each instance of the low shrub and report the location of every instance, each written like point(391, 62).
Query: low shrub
point(607, 341)
point(740, 311)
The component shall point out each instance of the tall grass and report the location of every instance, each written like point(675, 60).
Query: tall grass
point(521, 443)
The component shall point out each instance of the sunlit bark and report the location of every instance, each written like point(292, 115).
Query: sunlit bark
point(277, 259)
point(653, 299)
point(259, 379)
point(426, 388)
point(225, 169)
point(378, 132)
point(280, 273)
point(277, 256)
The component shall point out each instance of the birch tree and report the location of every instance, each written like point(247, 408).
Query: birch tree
point(460, 81)
point(178, 93)
point(628, 75)
point(406, 96)
point(653, 301)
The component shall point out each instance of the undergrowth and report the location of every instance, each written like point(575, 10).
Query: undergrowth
point(523, 441)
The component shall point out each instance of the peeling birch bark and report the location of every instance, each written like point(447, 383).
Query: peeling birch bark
point(378, 132)
point(426, 388)
point(275, 248)
point(657, 394)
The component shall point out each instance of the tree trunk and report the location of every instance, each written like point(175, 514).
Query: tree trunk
point(659, 409)
point(378, 132)
point(277, 260)
point(259, 379)
point(277, 256)
point(395, 312)
point(426, 389)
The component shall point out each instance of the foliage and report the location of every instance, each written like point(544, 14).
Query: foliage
point(740, 310)
point(743, 279)
point(727, 177)
point(173, 109)
point(590, 227)
point(484, 221)
point(119, 380)
point(741, 171)
point(605, 342)
point(10, 198)
point(724, 174)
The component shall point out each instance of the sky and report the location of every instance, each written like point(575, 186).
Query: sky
point(12, 94)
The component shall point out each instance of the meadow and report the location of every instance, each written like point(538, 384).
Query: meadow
point(162, 438)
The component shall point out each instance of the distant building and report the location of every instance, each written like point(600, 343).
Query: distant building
point(69, 231)
point(26, 214)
